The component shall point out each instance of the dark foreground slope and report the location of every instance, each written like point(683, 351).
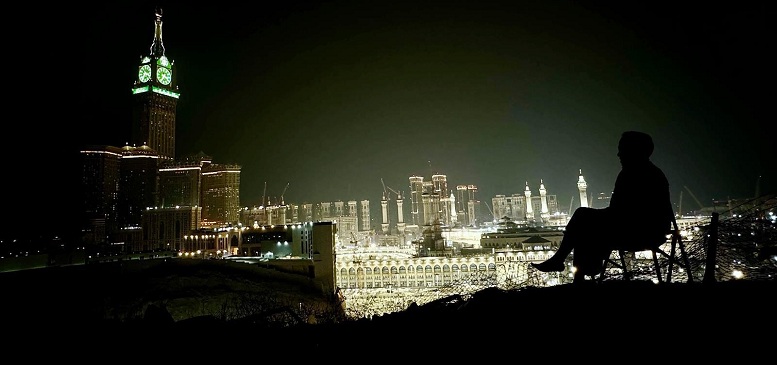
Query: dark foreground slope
point(735, 318)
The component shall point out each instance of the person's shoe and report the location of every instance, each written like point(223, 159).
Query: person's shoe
point(549, 266)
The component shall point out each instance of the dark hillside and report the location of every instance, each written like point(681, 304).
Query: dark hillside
point(173, 302)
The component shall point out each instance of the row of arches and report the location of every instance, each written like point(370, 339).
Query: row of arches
point(413, 275)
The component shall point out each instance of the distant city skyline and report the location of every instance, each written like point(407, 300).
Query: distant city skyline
point(331, 98)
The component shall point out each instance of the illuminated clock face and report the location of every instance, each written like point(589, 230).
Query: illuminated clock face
point(145, 73)
point(164, 75)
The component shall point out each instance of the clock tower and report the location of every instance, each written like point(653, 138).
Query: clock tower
point(156, 96)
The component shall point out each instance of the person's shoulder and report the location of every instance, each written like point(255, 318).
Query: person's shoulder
point(657, 172)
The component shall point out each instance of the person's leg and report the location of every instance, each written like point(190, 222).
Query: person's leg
point(589, 257)
point(577, 224)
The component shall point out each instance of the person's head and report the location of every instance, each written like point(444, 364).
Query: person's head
point(635, 146)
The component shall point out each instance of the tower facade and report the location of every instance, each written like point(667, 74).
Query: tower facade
point(137, 184)
point(156, 97)
point(352, 208)
point(416, 192)
point(221, 194)
point(365, 216)
point(179, 183)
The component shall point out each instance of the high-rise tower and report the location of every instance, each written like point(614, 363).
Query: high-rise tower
point(365, 216)
point(156, 97)
point(416, 192)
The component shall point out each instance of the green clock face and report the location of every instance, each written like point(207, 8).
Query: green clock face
point(164, 75)
point(145, 73)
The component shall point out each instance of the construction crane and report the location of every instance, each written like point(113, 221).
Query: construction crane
point(680, 205)
point(284, 192)
point(264, 192)
point(398, 195)
point(489, 209)
point(694, 197)
point(386, 195)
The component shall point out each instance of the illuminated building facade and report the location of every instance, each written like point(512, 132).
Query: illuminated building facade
point(137, 184)
point(526, 208)
point(306, 248)
point(179, 184)
point(99, 192)
point(170, 229)
point(221, 194)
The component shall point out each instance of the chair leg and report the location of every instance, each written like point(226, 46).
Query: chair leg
point(603, 270)
point(657, 266)
point(684, 257)
point(624, 267)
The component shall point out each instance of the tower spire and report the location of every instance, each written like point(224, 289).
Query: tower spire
point(157, 48)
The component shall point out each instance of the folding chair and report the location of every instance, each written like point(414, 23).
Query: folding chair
point(627, 261)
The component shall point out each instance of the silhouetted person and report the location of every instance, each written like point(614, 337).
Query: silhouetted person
point(638, 218)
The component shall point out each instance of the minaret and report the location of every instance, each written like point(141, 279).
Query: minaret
point(529, 209)
point(545, 214)
point(581, 186)
point(384, 208)
point(400, 217)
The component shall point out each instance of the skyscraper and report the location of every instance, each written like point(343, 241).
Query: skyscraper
point(156, 97)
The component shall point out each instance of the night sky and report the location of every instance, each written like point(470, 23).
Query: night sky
point(332, 97)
